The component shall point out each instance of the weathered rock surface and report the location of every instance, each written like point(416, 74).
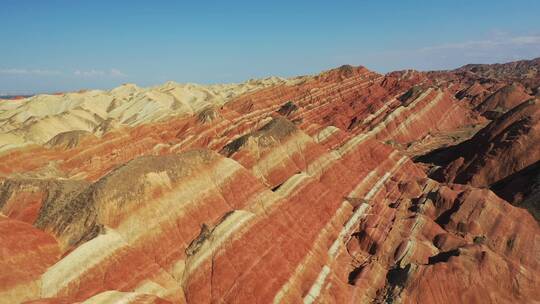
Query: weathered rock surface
point(522, 188)
point(283, 191)
point(40, 118)
point(503, 100)
point(505, 146)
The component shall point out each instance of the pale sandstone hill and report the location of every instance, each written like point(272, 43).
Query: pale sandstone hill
point(40, 118)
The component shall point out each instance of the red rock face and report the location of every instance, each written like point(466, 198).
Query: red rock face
point(522, 188)
point(26, 253)
point(503, 99)
point(296, 192)
point(505, 146)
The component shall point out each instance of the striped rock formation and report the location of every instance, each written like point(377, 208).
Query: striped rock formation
point(287, 191)
point(40, 118)
point(505, 146)
point(503, 100)
point(522, 188)
point(503, 155)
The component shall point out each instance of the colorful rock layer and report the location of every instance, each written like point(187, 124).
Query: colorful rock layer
point(281, 191)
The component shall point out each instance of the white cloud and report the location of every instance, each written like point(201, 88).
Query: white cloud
point(34, 72)
point(117, 73)
point(499, 41)
point(524, 40)
point(99, 73)
point(495, 46)
point(90, 73)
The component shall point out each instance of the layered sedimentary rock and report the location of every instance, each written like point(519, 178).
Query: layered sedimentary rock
point(505, 146)
point(283, 191)
point(522, 188)
point(503, 100)
point(26, 253)
point(35, 200)
point(475, 93)
point(38, 119)
point(517, 70)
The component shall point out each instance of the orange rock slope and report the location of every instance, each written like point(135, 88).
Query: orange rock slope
point(287, 192)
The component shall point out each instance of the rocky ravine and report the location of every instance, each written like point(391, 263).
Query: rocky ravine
point(283, 191)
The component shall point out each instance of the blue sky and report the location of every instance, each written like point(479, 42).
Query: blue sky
point(52, 45)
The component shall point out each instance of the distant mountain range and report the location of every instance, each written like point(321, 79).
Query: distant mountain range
point(15, 96)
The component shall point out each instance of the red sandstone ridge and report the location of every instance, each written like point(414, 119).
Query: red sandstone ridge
point(522, 188)
point(505, 146)
point(298, 190)
point(503, 100)
point(522, 69)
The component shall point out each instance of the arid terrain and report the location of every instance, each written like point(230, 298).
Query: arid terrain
point(348, 186)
